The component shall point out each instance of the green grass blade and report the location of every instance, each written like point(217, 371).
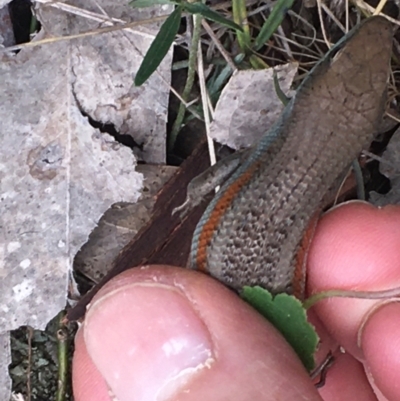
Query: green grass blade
point(206, 12)
point(160, 46)
point(272, 23)
point(240, 17)
point(258, 63)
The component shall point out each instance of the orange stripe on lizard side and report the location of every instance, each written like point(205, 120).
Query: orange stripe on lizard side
point(299, 276)
point(219, 210)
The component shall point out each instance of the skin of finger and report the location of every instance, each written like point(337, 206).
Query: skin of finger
point(340, 383)
point(346, 380)
point(380, 342)
point(252, 361)
point(326, 344)
point(85, 374)
point(356, 247)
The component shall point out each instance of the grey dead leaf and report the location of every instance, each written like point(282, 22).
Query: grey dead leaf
point(6, 30)
point(102, 72)
point(58, 174)
point(390, 168)
point(249, 106)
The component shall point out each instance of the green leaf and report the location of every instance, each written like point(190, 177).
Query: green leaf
point(272, 23)
point(217, 81)
point(279, 92)
point(160, 46)
point(240, 17)
point(148, 3)
point(206, 12)
point(287, 314)
point(258, 63)
point(34, 25)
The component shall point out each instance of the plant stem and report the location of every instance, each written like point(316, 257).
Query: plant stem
point(189, 81)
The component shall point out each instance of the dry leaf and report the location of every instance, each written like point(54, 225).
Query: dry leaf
point(249, 106)
point(390, 168)
point(59, 174)
point(119, 225)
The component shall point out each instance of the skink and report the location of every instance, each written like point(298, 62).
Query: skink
point(251, 232)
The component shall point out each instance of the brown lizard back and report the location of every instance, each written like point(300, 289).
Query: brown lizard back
point(250, 233)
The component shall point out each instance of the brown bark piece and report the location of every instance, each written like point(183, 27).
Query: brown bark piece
point(165, 239)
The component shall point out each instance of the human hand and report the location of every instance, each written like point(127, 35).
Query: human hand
point(165, 333)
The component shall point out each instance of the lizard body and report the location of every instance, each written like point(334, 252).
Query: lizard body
point(250, 234)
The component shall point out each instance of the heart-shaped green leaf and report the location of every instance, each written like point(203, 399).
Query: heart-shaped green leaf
point(287, 314)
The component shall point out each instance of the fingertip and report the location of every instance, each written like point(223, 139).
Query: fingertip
point(146, 340)
point(169, 332)
point(356, 247)
point(346, 380)
point(89, 385)
point(380, 342)
point(355, 244)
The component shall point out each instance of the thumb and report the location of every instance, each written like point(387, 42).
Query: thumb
point(166, 333)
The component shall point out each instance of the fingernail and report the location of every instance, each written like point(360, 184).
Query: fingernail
point(147, 340)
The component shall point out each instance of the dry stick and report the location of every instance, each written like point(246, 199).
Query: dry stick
point(285, 43)
point(395, 118)
point(106, 19)
point(90, 15)
point(218, 44)
point(206, 109)
point(333, 17)
point(340, 187)
point(379, 7)
point(84, 34)
point(321, 20)
point(305, 22)
point(366, 7)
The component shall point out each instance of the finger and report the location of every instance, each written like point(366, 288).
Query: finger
point(85, 374)
point(172, 333)
point(380, 344)
point(346, 380)
point(357, 246)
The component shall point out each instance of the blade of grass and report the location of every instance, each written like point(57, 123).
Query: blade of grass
point(273, 21)
point(208, 13)
point(159, 47)
point(240, 17)
point(257, 63)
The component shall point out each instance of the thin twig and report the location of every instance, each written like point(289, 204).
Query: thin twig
point(218, 44)
point(333, 18)
point(90, 15)
point(379, 7)
point(84, 34)
point(321, 20)
point(204, 101)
